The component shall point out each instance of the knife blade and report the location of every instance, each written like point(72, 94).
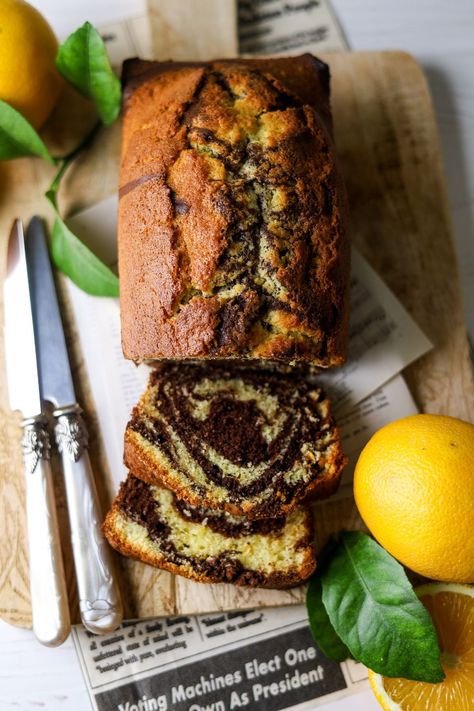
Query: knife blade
point(54, 372)
point(20, 351)
point(99, 596)
point(50, 610)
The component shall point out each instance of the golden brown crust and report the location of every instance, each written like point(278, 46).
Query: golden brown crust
point(231, 222)
point(218, 570)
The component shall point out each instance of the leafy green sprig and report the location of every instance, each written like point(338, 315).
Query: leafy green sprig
point(361, 605)
point(82, 60)
point(68, 253)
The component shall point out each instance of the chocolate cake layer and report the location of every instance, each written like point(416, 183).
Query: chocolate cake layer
point(147, 522)
point(250, 442)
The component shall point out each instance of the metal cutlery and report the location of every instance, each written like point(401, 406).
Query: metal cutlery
point(99, 597)
point(50, 610)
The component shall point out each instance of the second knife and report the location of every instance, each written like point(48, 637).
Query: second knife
point(99, 597)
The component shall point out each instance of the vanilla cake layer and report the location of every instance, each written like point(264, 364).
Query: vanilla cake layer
point(148, 523)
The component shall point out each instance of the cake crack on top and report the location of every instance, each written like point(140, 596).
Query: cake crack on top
point(243, 236)
point(230, 187)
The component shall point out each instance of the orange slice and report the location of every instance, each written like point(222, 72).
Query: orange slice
point(452, 609)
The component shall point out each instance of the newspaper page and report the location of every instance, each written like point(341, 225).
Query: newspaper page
point(260, 659)
point(264, 27)
point(130, 37)
point(288, 27)
point(383, 339)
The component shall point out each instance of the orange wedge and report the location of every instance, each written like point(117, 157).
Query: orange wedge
point(452, 609)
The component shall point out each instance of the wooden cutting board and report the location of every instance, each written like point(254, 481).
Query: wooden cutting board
point(388, 148)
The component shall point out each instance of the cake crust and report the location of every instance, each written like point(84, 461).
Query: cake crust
point(140, 525)
point(232, 239)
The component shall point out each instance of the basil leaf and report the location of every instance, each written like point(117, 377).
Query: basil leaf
point(73, 258)
point(82, 60)
point(376, 613)
point(322, 630)
point(18, 138)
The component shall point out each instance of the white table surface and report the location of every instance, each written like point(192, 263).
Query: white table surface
point(440, 35)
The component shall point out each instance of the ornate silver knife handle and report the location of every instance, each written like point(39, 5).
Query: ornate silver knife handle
point(49, 603)
point(99, 596)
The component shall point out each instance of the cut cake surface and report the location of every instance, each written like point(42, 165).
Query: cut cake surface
point(148, 523)
point(254, 443)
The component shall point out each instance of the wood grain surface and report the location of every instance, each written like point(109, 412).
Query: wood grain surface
point(388, 148)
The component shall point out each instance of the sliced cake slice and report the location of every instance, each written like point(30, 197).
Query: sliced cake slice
point(148, 523)
point(251, 442)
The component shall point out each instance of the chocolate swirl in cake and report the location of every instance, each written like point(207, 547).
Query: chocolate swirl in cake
point(137, 501)
point(247, 441)
point(148, 522)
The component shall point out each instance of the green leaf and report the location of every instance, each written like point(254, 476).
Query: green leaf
point(376, 613)
point(18, 138)
point(82, 60)
point(322, 630)
point(73, 258)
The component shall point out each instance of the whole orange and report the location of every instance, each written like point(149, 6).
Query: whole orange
point(29, 80)
point(414, 488)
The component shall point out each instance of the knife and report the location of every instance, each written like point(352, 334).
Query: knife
point(99, 596)
point(49, 604)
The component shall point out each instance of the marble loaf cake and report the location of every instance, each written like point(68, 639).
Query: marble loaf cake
point(232, 240)
point(148, 523)
point(224, 437)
